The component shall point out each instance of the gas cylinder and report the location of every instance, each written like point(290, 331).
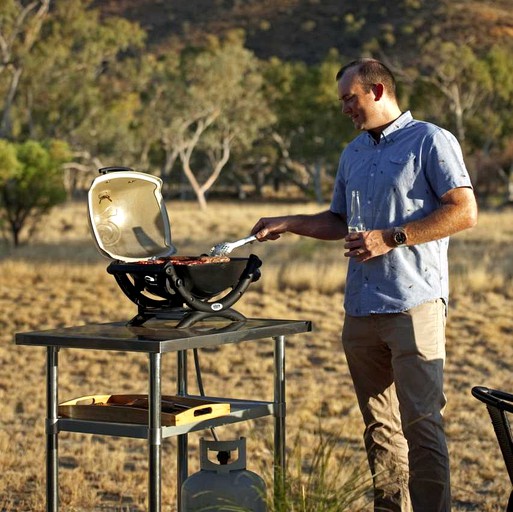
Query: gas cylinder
point(226, 486)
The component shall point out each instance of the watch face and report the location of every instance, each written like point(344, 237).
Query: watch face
point(399, 237)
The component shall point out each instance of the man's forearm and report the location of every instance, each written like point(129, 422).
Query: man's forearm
point(458, 213)
point(324, 226)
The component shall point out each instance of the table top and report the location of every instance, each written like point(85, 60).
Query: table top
point(161, 336)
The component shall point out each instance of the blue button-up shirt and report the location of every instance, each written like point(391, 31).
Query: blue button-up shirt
point(401, 179)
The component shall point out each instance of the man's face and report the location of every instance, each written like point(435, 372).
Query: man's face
point(359, 105)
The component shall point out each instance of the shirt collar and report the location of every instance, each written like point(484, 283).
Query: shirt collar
point(386, 135)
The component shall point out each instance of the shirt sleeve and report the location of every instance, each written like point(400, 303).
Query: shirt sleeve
point(338, 200)
point(445, 168)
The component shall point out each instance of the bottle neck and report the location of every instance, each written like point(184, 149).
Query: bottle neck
point(355, 221)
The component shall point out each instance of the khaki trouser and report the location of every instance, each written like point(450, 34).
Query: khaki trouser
point(396, 363)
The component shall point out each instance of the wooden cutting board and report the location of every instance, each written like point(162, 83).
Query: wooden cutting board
point(175, 410)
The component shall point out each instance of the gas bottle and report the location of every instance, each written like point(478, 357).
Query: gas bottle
point(225, 486)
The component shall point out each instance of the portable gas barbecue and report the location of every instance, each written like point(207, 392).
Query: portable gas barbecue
point(130, 226)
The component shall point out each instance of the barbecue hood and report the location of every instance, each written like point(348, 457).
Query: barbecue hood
point(128, 217)
point(130, 226)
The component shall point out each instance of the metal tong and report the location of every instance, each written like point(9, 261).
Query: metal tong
point(224, 248)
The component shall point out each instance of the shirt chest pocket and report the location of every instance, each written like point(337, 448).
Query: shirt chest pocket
point(402, 169)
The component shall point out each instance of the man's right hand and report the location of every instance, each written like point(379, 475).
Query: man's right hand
point(270, 228)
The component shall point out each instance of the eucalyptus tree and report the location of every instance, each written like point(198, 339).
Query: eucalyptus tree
point(65, 79)
point(70, 88)
point(61, 77)
point(472, 94)
point(453, 84)
point(155, 78)
point(500, 66)
point(210, 104)
point(20, 29)
point(310, 131)
point(492, 130)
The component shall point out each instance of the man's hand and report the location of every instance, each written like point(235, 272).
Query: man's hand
point(368, 244)
point(270, 228)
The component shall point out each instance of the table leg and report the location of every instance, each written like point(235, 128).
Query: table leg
point(182, 442)
point(279, 415)
point(154, 433)
point(52, 461)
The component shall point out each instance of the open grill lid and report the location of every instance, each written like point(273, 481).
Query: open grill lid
point(128, 216)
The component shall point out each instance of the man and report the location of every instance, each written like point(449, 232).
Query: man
point(415, 193)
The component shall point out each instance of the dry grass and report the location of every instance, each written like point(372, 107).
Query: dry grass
point(60, 280)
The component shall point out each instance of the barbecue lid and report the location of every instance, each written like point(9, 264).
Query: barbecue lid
point(127, 215)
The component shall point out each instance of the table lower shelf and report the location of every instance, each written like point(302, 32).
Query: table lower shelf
point(241, 410)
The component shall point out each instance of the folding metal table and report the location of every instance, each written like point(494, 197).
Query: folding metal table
point(156, 338)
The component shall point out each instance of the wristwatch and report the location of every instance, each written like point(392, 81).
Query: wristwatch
point(399, 237)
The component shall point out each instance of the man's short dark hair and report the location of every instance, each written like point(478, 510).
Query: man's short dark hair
point(370, 72)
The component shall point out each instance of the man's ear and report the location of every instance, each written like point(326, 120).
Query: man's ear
point(378, 90)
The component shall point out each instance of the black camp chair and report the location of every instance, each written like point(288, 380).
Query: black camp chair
point(498, 404)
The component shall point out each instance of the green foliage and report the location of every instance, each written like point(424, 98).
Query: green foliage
point(75, 90)
point(33, 186)
point(353, 24)
point(226, 77)
point(500, 105)
point(306, 100)
point(310, 130)
point(9, 164)
point(451, 86)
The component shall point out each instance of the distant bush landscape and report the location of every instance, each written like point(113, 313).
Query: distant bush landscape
point(60, 280)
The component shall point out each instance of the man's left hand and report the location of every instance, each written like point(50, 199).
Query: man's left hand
point(368, 244)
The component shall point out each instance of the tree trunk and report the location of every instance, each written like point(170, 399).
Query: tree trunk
point(165, 172)
point(6, 123)
point(458, 113)
point(200, 193)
